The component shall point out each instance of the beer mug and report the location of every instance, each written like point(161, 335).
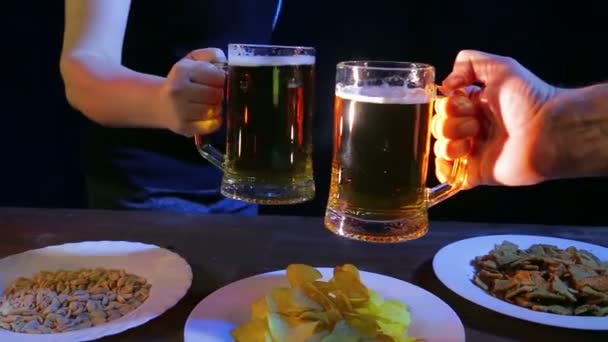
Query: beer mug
point(269, 106)
point(382, 116)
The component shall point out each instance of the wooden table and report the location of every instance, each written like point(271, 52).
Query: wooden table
point(222, 249)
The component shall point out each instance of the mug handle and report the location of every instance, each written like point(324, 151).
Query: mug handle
point(212, 154)
point(205, 149)
point(453, 185)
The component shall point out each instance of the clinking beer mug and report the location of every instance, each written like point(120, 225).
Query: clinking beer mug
point(382, 133)
point(269, 106)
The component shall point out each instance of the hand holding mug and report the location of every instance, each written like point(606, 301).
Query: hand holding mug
point(501, 125)
point(193, 93)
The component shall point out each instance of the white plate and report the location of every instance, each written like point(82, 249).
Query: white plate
point(452, 264)
point(214, 317)
point(169, 274)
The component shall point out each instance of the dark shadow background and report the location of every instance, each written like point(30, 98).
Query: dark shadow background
point(39, 143)
point(563, 44)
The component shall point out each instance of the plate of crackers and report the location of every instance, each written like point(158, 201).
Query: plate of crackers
point(84, 291)
point(546, 280)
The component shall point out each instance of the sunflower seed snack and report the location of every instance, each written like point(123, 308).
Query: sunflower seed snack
point(59, 301)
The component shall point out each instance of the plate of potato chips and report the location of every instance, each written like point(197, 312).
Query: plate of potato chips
point(324, 304)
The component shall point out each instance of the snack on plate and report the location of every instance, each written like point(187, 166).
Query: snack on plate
point(53, 302)
point(545, 278)
point(341, 309)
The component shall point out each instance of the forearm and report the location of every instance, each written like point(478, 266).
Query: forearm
point(111, 94)
point(579, 129)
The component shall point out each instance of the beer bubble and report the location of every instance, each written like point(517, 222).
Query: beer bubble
point(294, 83)
point(383, 94)
point(251, 61)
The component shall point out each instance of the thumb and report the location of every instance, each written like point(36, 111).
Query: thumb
point(470, 66)
point(212, 55)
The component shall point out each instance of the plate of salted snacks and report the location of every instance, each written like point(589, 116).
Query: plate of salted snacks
point(324, 304)
point(87, 290)
point(546, 280)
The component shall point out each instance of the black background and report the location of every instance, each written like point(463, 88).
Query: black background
point(563, 44)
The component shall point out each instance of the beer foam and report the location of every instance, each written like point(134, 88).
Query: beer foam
point(271, 60)
point(384, 94)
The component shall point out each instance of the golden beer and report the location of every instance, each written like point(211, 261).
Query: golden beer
point(269, 108)
point(382, 116)
point(269, 122)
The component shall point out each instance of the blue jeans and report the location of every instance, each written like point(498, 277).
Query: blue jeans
point(113, 196)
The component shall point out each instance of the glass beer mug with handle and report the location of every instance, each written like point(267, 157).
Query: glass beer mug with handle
point(269, 104)
point(381, 152)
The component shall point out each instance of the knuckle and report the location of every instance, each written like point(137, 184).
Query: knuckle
point(203, 66)
point(208, 54)
point(508, 63)
point(174, 89)
point(181, 67)
point(464, 54)
point(508, 60)
point(217, 53)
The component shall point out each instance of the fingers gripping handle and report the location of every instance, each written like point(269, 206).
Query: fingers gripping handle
point(205, 149)
point(456, 180)
point(454, 183)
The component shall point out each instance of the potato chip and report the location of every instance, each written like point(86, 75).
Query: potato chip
point(284, 328)
point(298, 274)
point(290, 301)
point(255, 330)
point(319, 294)
point(259, 309)
point(348, 281)
point(312, 310)
point(343, 332)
